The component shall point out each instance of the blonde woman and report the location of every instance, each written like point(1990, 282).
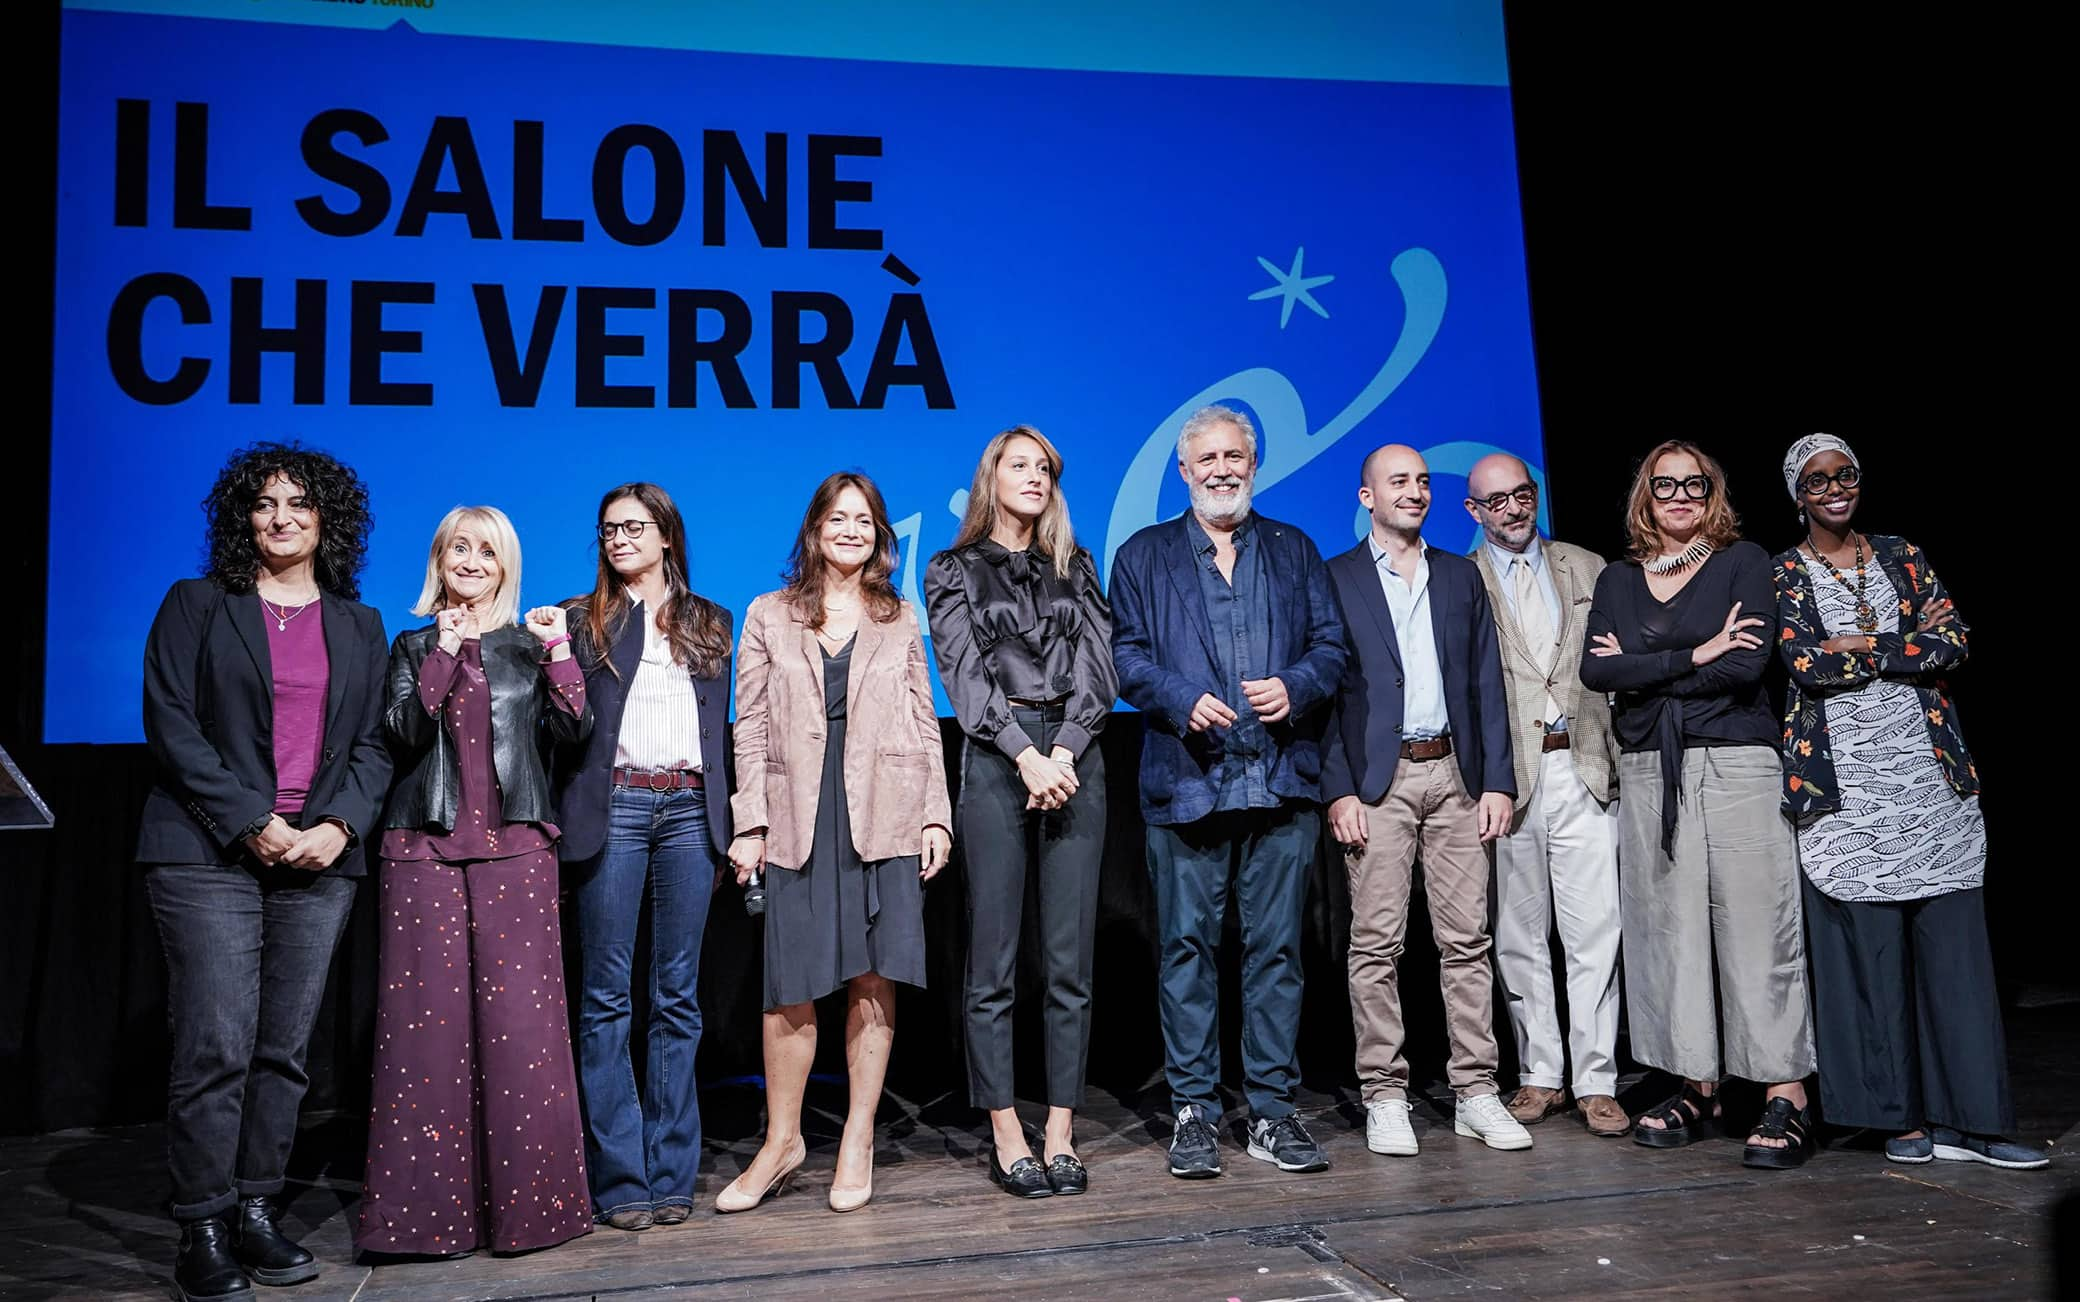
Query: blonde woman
point(1023, 635)
point(475, 1137)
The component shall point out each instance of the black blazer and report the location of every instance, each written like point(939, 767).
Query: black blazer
point(209, 727)
point(525, 724)
point(585, 787)
point(1364, 744)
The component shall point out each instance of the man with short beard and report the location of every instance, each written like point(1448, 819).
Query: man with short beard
point(1418, 757)
point(1558, 866)
point(1228, 641)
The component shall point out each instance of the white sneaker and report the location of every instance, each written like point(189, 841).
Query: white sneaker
point(1387, 1129)
point(1484, 1118)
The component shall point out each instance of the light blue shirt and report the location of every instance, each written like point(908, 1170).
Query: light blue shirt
point(1505, 563)
point(1422, 695)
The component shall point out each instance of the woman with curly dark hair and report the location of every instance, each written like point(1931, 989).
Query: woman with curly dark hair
point(644, 813)
point(262, 716)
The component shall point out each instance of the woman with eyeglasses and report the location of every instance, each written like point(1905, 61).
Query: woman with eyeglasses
point(1714, 951)
point(645, 812)
point(1886, 802)
point(1023, 635)
point(474, 1133)
point(844, 799)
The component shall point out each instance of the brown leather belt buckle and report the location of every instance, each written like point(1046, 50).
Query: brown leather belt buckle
point(641, 780)
point(1555, 741)
point(1434, 748)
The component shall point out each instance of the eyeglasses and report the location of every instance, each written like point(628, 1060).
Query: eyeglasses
point(1815, 484)
point(633, 528)
point(1696, 487)
point(1522, 495)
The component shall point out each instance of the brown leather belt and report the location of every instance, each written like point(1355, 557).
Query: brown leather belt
point(1435, 748)
point(1554, 741)
point(644, 780)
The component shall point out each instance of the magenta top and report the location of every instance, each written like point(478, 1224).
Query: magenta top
point(302, 673)
point(455, 688)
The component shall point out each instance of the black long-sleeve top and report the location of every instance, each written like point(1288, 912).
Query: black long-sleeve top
point(1664, 702)
point(1006, 626)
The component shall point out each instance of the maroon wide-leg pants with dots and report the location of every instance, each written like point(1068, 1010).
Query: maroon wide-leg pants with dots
point(475, 1138)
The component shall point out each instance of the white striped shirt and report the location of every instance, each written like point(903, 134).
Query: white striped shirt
point(660, 726)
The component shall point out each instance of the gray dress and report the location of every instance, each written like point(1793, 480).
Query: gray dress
point(836, 918)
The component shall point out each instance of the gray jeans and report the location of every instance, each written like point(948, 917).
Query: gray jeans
point(1724, 911)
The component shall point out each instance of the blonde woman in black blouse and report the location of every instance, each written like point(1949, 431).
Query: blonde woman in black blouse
point(1023, 638)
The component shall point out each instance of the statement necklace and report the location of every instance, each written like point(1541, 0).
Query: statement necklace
point(1694, 554)
point(281, 614)
point(1866, 618)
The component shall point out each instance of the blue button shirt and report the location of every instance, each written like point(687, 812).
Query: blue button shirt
point(1408, 597)
point(1239, 610)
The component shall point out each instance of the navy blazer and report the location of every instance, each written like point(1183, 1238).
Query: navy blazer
point(584, 789)
point(1364, 745)
point(1162, 645)
point(209, 727)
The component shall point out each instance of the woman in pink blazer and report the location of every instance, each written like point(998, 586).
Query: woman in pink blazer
point(841, 789)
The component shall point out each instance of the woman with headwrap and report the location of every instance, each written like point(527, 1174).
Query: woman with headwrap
point(1885, 799)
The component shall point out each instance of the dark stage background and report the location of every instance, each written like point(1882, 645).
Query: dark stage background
point(1736, 235)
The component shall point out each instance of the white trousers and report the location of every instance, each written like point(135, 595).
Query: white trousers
point(1559, 871)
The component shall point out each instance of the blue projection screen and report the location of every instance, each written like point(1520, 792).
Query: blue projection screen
point(515, 254)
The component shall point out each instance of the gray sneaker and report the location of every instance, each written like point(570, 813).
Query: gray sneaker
point(1286, 1144)
point(1955, 1146)
point(1195, 1152)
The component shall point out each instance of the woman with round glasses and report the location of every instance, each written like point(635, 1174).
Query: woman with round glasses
point(1886, 802)
point(1709, 892)
point(645, 810)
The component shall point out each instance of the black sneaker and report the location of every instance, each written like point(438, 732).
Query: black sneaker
point(1286, 1143)
point(1195, 1153)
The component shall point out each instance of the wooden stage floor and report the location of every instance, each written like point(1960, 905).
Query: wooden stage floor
point(1574, 1217)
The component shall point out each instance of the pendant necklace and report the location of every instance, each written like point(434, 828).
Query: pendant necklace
point(1866, 618)
point(281, 614)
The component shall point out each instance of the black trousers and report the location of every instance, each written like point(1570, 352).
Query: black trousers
point(1002, 841)
point(1908, 1020)
point(247, 952)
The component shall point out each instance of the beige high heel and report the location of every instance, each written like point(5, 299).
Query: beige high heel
point(852, 1199)
point(738, 1199)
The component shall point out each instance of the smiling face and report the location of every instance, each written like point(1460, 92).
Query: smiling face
point(1835, 503)
point(1679, 516)
point(285, 524)
point(1219, 467)
point(1025, 480)
point(632, 554)
point(846, 537)
point(1396, 489)
point(470, 568)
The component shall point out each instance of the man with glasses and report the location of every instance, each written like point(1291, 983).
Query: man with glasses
point(1557, 869)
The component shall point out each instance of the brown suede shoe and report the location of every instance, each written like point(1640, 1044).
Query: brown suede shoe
point(1603, 1116)
point(1532, 1104)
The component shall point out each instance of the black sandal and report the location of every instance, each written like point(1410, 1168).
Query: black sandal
point(1785, 1120)
point(1685, 1118)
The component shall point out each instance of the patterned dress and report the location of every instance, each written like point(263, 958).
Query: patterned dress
point(1901, 831)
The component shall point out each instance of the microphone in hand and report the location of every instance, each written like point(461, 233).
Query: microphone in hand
point(755, 894)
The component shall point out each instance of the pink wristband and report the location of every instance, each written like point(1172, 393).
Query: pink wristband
point(555, 642)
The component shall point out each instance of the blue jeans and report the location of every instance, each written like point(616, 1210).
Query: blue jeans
point(247, 953)
point(643, 1154)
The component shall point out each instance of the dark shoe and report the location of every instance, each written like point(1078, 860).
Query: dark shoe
point(270, 1256)
point(1026, 1178)
point(1956, 1146)
point(1286, 1144)
point(1067, 1174)
point(670, 1214)
point(206, 1267)
point(1532, 1104)
point(1785, 1120)
point(1912, 1152)
point(1685, 1118)
point(1195, 1154)
point(631, 1218)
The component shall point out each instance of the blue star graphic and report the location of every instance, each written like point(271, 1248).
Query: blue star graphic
point(1292, 287)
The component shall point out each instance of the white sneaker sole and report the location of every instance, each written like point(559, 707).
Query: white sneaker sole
point(1503, 1143)
point(1953, 1153)
point(1391, 1147)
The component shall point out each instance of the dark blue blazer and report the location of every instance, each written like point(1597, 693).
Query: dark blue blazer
point(1162, 645)
point(1364, 744)
point(585, 787)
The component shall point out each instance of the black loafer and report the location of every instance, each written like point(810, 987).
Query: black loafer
point(268, 1255)
point(1067, 1175)
point(1025, 1179)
